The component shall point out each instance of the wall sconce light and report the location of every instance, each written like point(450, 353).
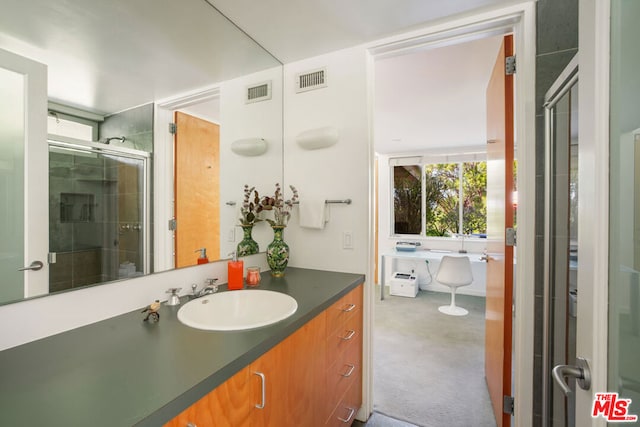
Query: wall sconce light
point(315, 139)
point(249, 147)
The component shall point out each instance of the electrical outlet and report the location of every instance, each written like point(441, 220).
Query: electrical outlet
point(232, 235)
point(347, 240)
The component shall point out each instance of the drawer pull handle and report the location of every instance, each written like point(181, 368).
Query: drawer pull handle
point(348, 419)
point(350, 371)
point(191, 425)
point(264, 393)
point(349, 335)
point(349, 308)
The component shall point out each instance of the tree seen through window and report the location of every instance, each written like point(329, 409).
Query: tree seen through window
point(441, 199)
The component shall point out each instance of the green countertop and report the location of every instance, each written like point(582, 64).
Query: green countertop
point(125, 372)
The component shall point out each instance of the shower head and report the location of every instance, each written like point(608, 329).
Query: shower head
point(117, 138)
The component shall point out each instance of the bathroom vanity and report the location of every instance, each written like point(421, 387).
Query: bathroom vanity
point(304, 370)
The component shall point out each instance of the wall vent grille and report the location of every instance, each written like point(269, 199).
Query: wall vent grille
point(311, 80)
point(259, 92)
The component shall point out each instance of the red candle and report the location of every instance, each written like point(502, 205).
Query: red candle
point(253, 276)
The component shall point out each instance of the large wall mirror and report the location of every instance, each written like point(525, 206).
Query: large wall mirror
point(144, 101)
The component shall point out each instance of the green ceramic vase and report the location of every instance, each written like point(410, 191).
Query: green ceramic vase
point(247, 245)
point(277, 252)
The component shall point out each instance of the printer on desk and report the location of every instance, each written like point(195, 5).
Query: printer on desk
point(407, 246)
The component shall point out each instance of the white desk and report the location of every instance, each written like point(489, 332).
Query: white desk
point(417, 255)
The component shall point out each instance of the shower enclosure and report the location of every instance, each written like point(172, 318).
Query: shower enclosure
point(98, 213)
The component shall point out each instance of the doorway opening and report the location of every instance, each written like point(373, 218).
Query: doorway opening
point(431, 144)
point(188, 129)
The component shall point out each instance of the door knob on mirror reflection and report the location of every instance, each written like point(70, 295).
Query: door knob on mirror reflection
point(34, 266)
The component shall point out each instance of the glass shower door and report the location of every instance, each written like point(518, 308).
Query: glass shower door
point(561, 244)
point(624, 209)
point(98, 215)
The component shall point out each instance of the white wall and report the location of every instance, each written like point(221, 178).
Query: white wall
point(239, 121)
point(337, 172)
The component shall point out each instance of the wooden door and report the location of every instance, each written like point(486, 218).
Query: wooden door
point(197, 189)
point(499, 217)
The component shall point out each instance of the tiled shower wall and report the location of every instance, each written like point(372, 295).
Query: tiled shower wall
point(557, 43)
point(76, 219)
point(136, 125)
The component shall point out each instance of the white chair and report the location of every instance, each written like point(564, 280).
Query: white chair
point(454, 272)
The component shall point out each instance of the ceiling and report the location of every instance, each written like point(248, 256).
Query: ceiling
point(426, 100)
point(296, 29)
point(433, 99)
point(108, 56)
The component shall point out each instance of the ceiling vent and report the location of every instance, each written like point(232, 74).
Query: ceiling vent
point(259, 92)
point(311, 80)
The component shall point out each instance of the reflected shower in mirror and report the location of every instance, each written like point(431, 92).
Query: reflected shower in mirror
point(98, 214)
point(113, 204)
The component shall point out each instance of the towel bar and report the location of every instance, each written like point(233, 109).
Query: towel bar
point(344, 201)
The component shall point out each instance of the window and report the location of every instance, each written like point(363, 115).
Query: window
point(70, 126)
point(407, 199)
point(440, 199)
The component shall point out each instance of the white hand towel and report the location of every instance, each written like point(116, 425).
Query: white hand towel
point(312, 213)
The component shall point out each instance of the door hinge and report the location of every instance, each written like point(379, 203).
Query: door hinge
point(173, 128)
point(510, 65)
point(510, 237)
point(173, 224)
point(507, 404)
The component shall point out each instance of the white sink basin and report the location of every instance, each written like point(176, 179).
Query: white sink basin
point(237, 310)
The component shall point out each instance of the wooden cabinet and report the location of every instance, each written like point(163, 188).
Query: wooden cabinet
point(225, 406)
point(290, 373)
point(343, 372)
point(312, 378)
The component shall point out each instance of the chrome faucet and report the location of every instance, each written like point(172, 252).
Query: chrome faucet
point(210, 287)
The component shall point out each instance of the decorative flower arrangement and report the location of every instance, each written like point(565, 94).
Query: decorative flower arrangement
point(281, 208)
point(250, 209)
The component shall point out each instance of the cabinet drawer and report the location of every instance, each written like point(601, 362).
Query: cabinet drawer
point(341, 375)
point(345, 412)
point(350, 333)
point(344, 309)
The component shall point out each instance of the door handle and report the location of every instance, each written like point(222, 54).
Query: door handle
point(34, 266)
point(580, 371)
point(262, 390)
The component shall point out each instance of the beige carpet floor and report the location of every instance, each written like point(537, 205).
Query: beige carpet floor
point(429, 367)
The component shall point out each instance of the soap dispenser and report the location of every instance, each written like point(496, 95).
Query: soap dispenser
point(203, 256)
point(235, 270)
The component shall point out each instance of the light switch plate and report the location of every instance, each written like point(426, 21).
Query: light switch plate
point(347, 240)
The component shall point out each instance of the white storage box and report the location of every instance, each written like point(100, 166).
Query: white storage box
point(404, 285)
